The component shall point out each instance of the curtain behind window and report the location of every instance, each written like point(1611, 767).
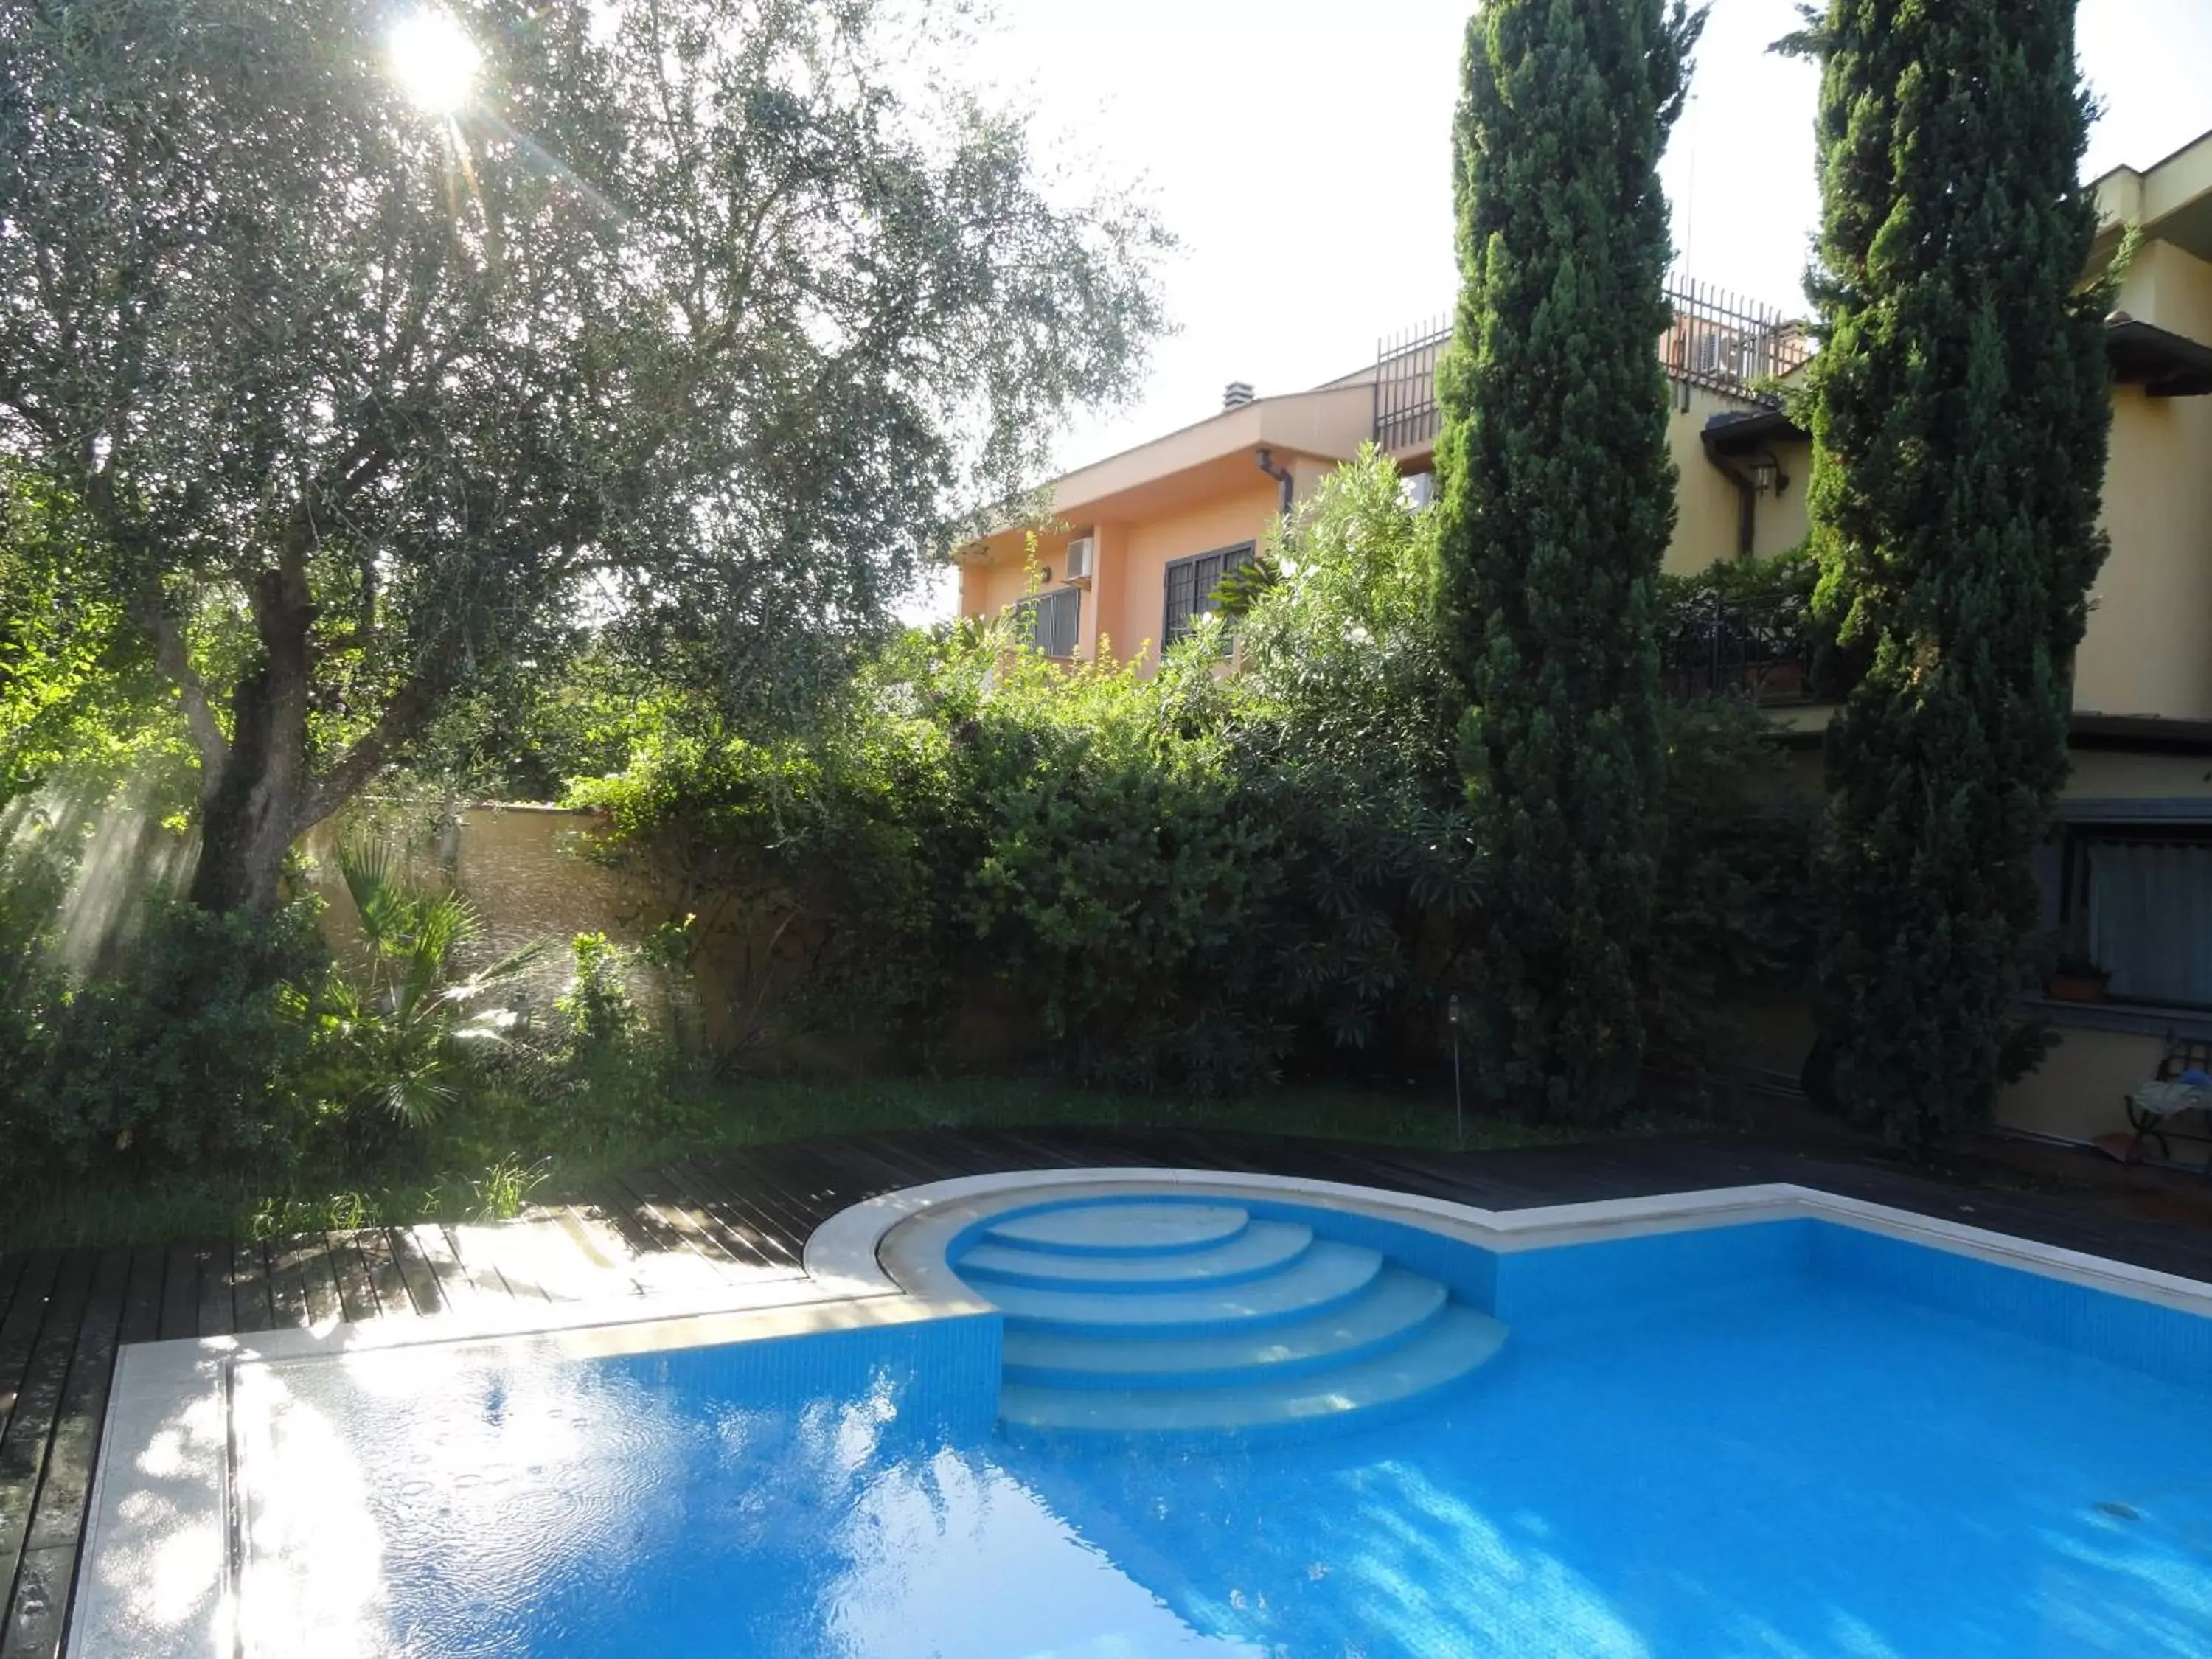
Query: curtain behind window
point(2150, 919)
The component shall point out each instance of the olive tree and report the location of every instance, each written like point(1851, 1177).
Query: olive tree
point(695, 324)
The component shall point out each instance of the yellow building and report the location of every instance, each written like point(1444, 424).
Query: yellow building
point(1134, 544)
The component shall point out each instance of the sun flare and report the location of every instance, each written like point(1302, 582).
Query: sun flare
point(434, 62)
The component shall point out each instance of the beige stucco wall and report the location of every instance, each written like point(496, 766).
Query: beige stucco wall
point(2149, 647)
point(2115, 774)
point(2171, 287)
point(1706, 500)
point(1780, 522)
point(2076, 1093)
point(517, 865)
point(1706, 511)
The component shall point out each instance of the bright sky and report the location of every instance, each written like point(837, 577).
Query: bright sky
point(1302, 153)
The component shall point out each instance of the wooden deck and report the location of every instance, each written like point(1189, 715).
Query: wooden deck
point(742, 1218)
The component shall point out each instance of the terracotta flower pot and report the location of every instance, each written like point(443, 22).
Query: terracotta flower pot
point(2075, 986)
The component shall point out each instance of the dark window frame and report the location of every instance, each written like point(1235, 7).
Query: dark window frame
point(1176, 623)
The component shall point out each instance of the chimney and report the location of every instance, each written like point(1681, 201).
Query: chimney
point(1238, 394)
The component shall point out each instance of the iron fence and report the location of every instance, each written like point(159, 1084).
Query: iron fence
point(1717, 340)
point(1406, 412)
point(1709, 646)
point(1727, 343)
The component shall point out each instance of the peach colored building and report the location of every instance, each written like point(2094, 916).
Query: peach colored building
point(1155, 527)
point(1134, 542)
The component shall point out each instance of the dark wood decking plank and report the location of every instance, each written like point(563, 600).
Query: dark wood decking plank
point(38, 1616)
point(813, 1181)
point(888, 1165)
point(489, 1276)
point(356, 1290)
point(595, 1205)
point(611, 1205)
point(287, 1282)
point(393, 1299)
point(25, 1442)
point(12, 1274)
point(180, 1293)
point(736, 1219)
point(756, 1196)
point(680, 1212)
point(142, 1296)
point(19, 1327)
point(216, 1315)
point(252, 1306)
point(520, 1285)
point(33, 1629)
point(415, 1269)
point(319, 1274)
point(434, 1246)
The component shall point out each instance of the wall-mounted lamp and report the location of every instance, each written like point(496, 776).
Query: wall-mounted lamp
point(1767, 477)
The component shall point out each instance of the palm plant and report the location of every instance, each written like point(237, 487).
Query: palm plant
point(406, 1026)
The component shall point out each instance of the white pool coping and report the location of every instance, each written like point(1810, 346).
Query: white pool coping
point(155, 1574)
point(896, 1243)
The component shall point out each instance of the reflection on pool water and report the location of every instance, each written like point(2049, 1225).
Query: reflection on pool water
point(1770, 1446)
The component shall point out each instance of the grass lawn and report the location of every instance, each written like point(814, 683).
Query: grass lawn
point(492, 1156)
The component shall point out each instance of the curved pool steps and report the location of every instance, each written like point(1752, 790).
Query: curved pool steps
point(1122, 1230)
point(1397, 1308)
point(1325, 1275)
point(1364, 1390)
point(1264, 1249)
point(1135, 1317)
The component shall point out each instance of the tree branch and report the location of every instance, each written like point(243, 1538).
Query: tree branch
point(174, 660)
point(403, 717)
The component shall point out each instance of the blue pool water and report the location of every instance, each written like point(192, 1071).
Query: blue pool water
point(1785, 1439)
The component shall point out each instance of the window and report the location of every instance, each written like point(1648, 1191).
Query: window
point(2138, 903)
point(1191, 584)
point(1053, 620)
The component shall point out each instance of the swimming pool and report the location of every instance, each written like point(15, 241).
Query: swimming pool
point(1788, 1436)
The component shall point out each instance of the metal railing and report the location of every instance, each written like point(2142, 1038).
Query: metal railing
point(1711, 648)
point(1724, 343)
point(1717, 340)
point(1405, 412)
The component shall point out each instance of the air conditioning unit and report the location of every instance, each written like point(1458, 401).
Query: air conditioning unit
point(1082, 560)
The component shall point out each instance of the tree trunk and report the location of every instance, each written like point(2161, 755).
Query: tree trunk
point(253, 797)
point(247, 808)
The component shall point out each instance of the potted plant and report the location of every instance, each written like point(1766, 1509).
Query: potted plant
point(2077, 978)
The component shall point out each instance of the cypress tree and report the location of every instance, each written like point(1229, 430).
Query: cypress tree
point(1557, 500)
point(1960, 412)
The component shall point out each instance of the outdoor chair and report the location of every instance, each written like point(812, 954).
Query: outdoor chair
point(2183, 1084)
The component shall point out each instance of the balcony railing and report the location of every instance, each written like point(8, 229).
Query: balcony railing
point(1405, 413)
point(1717, 341)
point(1729, 344)
point(1763, 652)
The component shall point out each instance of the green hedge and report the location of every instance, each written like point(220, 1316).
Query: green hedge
point(1186, 881)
